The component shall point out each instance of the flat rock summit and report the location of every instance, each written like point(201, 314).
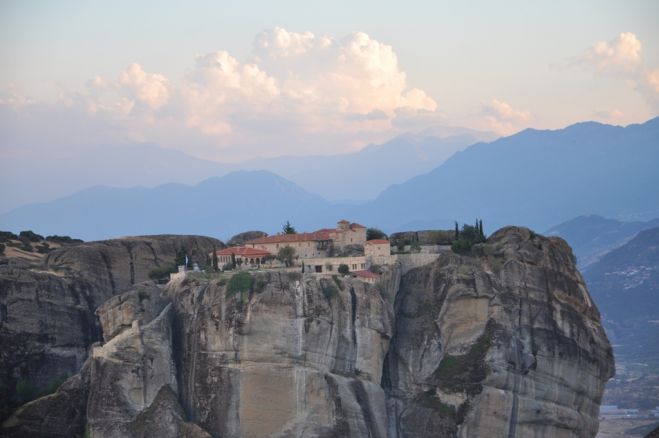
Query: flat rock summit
point(502, 342)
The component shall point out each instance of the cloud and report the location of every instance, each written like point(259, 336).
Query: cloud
point(621, 54)
point(149, 88)
point(622, 57)
point(502, 118)
point(294, 91)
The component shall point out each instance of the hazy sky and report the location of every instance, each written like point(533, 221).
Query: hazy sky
point(235, 80)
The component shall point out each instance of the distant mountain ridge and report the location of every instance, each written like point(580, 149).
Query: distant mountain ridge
point(364, 174)
point(625, 286)
point(221, 206)
point(536, 178)
point(592, 236)
point(353, 176)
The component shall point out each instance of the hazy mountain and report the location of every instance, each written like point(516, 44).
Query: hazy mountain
point(26, 179)
point(593, 236)
point(220, 206)
point(625, 286)
point(363, 175)
point(535, 178)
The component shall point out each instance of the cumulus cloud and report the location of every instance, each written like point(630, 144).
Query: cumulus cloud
point(148, 88)
point(500, 117)
point(294, 91)
point(622, 56)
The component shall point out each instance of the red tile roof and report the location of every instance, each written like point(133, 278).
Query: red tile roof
point(322, 234)
point(244, 251)
point(377, 242)
point(288, 238)
point(365, 274)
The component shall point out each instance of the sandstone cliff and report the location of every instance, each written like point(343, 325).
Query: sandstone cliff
point(506, 343)
point(47, 308)
point(503, 342)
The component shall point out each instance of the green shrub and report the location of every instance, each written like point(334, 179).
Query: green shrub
point(286, 255)
point(344, 269)
point(328, 289)
point(6, 236)
point(30, 235)
point(228, 266)
point(462, 246)
point(162, 272)
point(375, 233)
point(63, 239)
point(240, 282)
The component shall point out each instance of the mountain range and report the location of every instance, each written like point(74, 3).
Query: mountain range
point(625, 285)
point(593, 236)
point(533, 178)
point(351, 176)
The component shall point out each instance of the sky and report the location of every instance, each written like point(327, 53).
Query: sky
point(229, 81)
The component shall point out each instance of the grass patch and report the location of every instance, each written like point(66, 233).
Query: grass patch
point(329, 290)
point(240, 282)
point(464, 373)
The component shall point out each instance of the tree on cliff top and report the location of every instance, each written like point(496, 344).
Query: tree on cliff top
point(288, 228)
point(286, 255)
point(375, 233)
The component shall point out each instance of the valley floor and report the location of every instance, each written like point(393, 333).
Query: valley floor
point(626, 427)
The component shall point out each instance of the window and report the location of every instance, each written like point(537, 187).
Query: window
point(363, 265)
point(354, 266)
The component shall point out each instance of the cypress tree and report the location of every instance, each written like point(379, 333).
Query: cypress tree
point(457, 231)
point(215, 260)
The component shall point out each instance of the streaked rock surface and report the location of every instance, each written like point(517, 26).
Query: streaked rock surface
point(504, 342)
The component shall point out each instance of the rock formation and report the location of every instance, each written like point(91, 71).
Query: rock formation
point(506, 343)
point(503, 342)
point(241, 238)
point(47, 308)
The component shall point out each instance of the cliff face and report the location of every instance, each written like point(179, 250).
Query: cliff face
point(299, 356)
point(114, 266)
point(47, 308)
point(505, 342)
